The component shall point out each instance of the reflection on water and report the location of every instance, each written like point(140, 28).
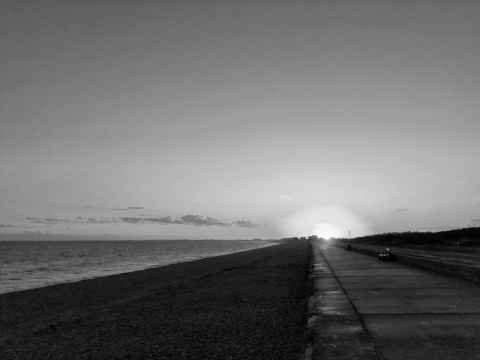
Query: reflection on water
point(30, 264)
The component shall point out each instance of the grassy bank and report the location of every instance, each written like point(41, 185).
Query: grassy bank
point(461, 240)
point(248, 305)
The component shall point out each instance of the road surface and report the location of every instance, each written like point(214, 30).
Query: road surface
point(409, 313)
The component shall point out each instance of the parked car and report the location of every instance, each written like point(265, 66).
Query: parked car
point(386, 255)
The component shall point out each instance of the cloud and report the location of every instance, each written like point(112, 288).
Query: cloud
point(67, 221)
point(286, 197)
point(132, 220)
point(476, 221)
point(245, 223)
point(128, 208)
point(164, 220)
point(400, 210)
point(152, 220)
point(198, 220)
point(92, 220)
point(7, 226)
point(195, 220)
point(46, 221)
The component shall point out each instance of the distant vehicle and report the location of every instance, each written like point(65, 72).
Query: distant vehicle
point(386, 255)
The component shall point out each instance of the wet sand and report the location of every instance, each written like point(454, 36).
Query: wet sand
point(249, 305)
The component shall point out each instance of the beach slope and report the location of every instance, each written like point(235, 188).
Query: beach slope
point(249, 305)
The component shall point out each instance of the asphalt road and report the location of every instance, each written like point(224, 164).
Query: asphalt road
point(410, 313)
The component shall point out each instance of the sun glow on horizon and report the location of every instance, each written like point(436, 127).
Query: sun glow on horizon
point(326, 222)
point(328, 231)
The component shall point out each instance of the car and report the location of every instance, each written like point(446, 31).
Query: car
point(386, 255)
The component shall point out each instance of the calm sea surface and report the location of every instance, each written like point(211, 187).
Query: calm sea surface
point(31, 264)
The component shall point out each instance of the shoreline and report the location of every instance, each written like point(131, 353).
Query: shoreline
point(246, 305)
point(113, 273)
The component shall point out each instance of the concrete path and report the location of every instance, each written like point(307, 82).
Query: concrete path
point(337, 331)
point(409, 313)
point(464, 265)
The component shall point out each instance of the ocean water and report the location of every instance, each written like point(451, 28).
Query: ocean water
point(32, 264)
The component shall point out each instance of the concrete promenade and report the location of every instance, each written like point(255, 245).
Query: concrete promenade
point(464, 265)
point(408, 313)
point(336, 330)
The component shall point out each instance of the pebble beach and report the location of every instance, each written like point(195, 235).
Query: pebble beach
point(247, 305)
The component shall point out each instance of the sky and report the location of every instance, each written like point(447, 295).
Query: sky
point(238, 119)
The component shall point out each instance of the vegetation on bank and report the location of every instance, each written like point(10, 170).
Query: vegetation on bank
point(451, 239)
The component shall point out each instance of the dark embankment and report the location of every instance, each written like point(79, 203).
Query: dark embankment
point(250, 305)
point(452, 240)
point(454, 253)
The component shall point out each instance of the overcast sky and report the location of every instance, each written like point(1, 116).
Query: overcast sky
point(247, 114)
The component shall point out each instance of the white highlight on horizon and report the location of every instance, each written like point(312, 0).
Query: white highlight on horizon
point(328, 231)
point(324, 221)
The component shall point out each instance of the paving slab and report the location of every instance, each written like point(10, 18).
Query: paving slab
point(410, 313)
point(374, 271)
point(336, 329)
point(381, 281)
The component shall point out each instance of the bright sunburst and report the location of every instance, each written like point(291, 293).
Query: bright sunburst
point(328, 231)
point(326, 222)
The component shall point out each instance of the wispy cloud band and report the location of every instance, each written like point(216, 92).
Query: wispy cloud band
point(195, 220)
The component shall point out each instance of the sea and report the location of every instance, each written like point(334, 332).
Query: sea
point(32, 264)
